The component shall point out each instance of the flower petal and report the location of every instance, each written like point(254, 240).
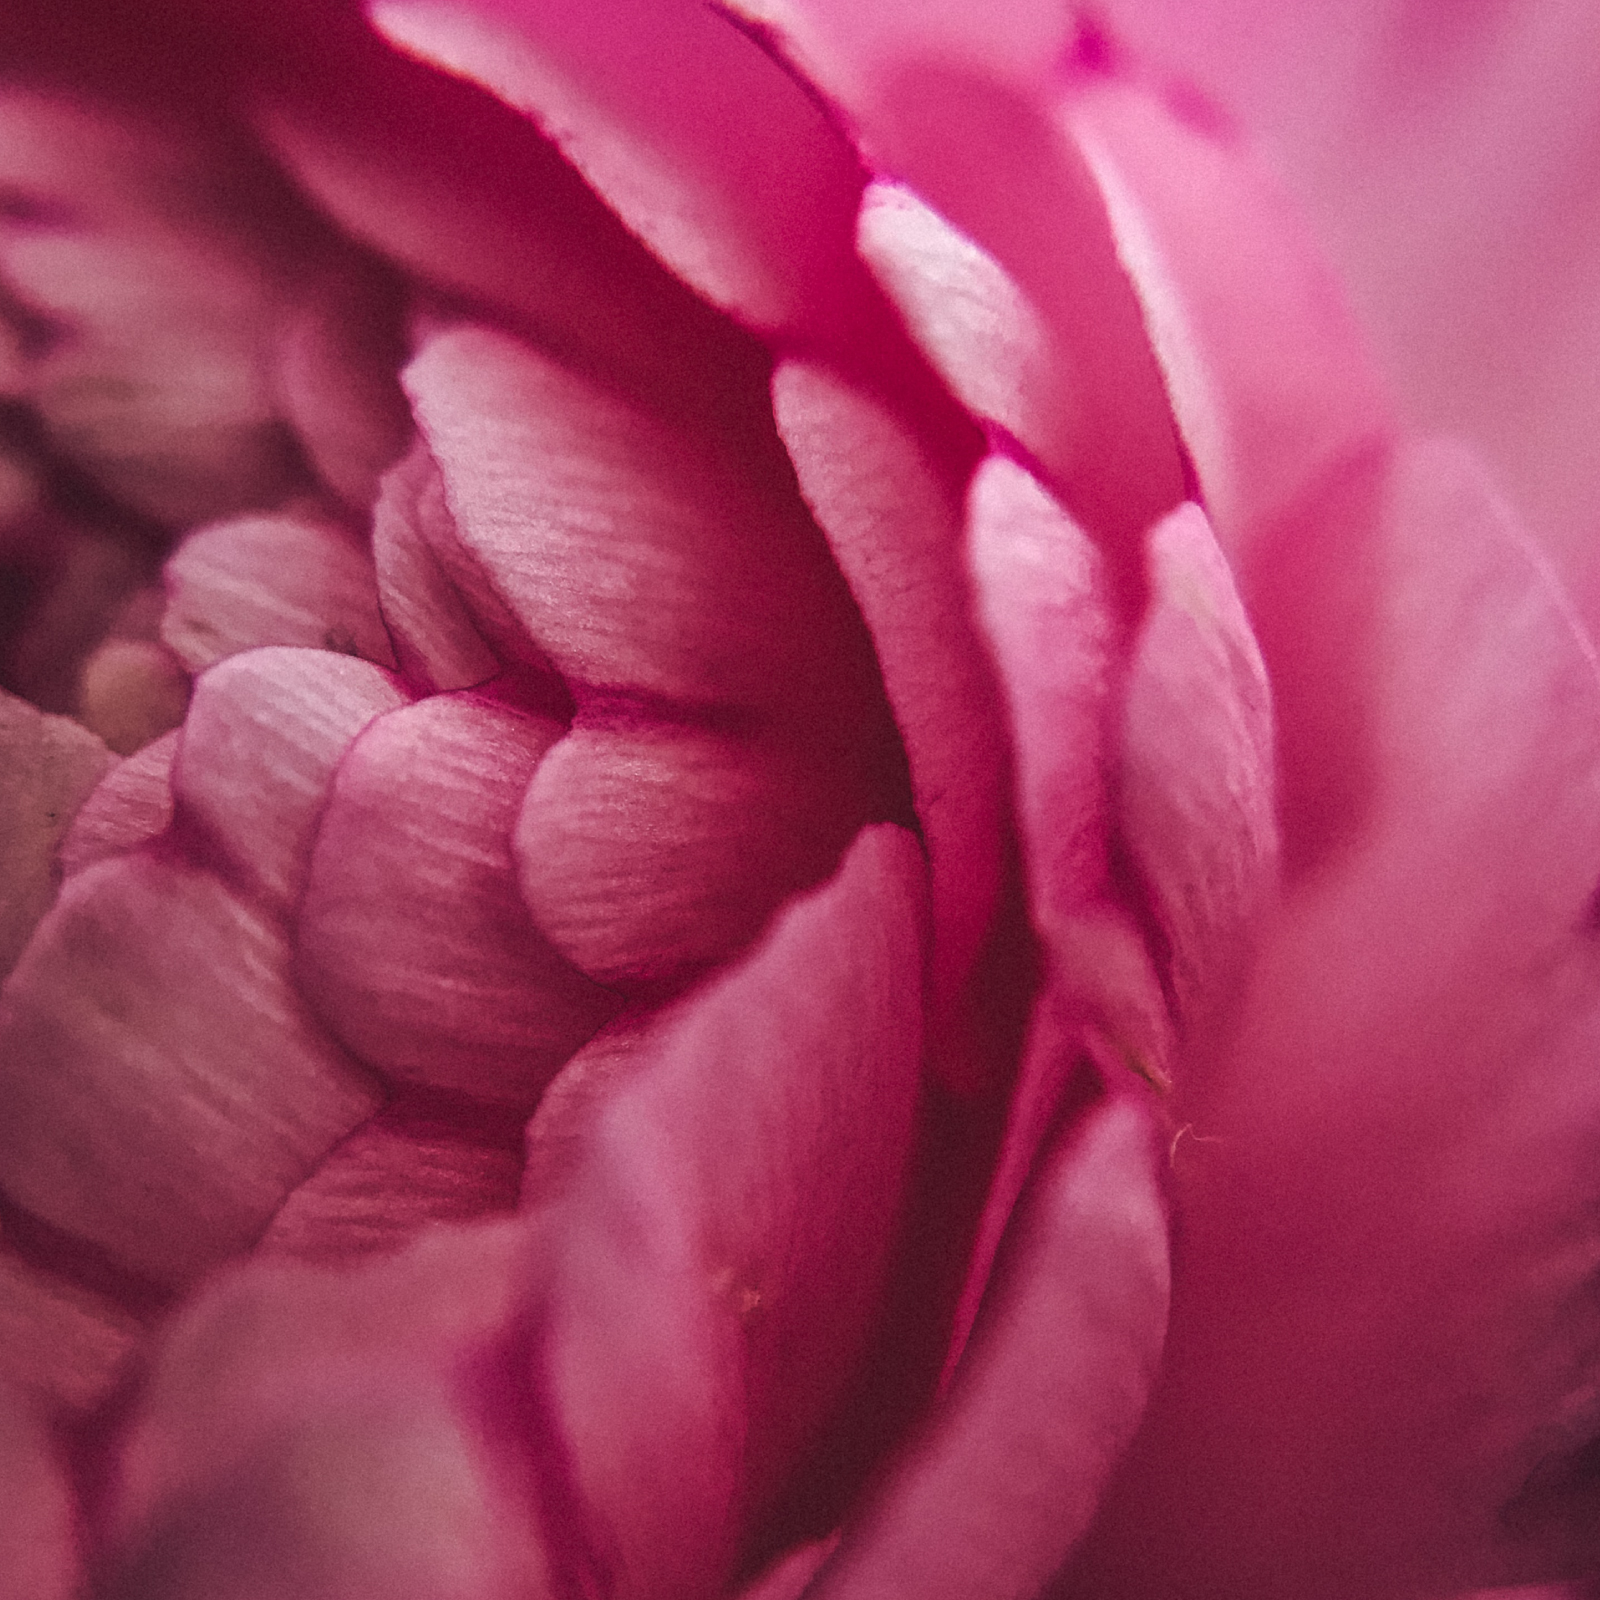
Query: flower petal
point(357, 1458)
point(265, 732)
point(162, 1087)
point(773, 1119)
point(648, 853)
point(435, 642)
point(418, 1161)
point(1004, 1478)
point(1380, 1371)
point(1196, 781)
point(724, 166)
point(1268, 372)
point(284, 579)
point(629, 550)
point(38, 1537)
point(48, 768)
point(413, 943)
point(895, 529)
point(131, 804)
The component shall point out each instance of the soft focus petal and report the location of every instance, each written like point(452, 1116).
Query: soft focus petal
point(1380, 1369)
point(162, 1086)
point(1196, 783)
point(894, 522)
point(413, 943)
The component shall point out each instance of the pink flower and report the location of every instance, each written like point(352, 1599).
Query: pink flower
point(886, 715)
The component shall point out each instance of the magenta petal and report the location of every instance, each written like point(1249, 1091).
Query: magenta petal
point(896, 532)
point(1269, 375)
point(1380, 1371)
point(38, 1533)
point(48, 768)
point(696, 1317)
point(648, 852)
point(999, 354)
point(414, 944)
point(1005, 1477)
point(724, 166)
point(131, 804)
point(435, 642)
point(264, 734)
point(306, 1433)
point(414, 1163)
point(162, 1087)
point(337, 358)
point(1197, 787)
point(632, 554)
point(284, 579)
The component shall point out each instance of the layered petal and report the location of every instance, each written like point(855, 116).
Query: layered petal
point(770, 1119)
point(413, 942)
point(1380, 1370)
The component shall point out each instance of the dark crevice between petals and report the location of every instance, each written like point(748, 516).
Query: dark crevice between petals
point(56, 1252)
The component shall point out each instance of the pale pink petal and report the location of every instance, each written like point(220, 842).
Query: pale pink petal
point(1196, 780)
point(1005, 1476)
point(39, 1556)
point(1445, 156)
point(633, 555)
point(1380, 1371)
point(724, 165)
point(285, 579)
point(695, 1318)
point(988, 340)
point(48, 768)
point(969, 130)
point(131, 804)
point(894, 523)
point(648, 852)
point(162, 1086)
point(264, 735)
point(435, 642)
point(417, 1162)
point(1044, 600)
point(131, 692)
point(1269, 374)
point(413, 942)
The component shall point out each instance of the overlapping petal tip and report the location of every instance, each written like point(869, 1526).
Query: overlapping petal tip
point(894, 523)
point(1005, 1478)
point(724, 167)
point(413, 943)
point(1378, 1369)
point(353, 1460)
point(131, 804)
point(38, 1534)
